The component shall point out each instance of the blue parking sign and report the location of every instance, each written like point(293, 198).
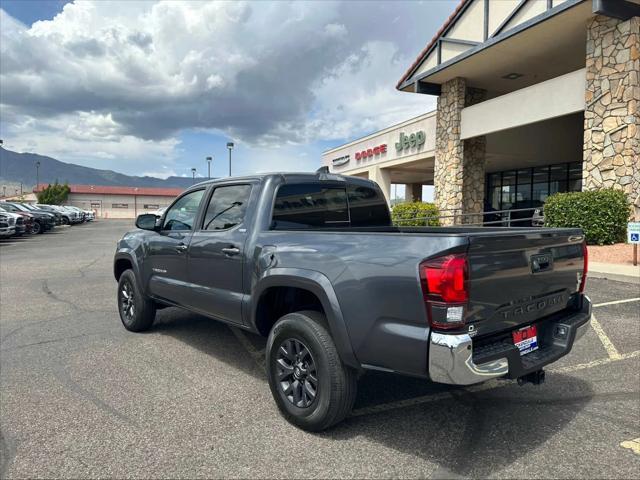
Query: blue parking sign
point(633, 232)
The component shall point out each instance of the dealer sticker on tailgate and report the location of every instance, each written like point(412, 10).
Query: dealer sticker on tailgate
point(526, 339)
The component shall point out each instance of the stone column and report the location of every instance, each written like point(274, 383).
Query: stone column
point(413, 192)
point(383, 178)
point(612, 98)
point(459, 165)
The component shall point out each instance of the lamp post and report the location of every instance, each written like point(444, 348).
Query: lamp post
point(4, 191)
point(209, 159)
point(230, 147)
point(193, 173)
point(37, 174)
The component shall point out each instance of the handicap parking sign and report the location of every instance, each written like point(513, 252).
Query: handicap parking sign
point(633, 232)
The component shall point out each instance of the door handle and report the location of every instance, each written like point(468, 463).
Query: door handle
point(181, 248)
point(230, 251)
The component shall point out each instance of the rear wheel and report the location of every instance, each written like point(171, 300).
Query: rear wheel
point(311, 386)
point(137, 311)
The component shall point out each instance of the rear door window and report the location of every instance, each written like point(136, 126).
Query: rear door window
point(310, 205)
point(227, 207)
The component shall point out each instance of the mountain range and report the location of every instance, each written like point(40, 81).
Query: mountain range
point(16, 168)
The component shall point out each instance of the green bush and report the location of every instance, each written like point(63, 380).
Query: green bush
point(602, 214)
point(413, 214)
point(55, 194)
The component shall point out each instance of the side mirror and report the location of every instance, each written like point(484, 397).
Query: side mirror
point(146, 221)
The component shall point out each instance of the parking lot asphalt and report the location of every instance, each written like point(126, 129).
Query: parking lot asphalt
point(81, 397)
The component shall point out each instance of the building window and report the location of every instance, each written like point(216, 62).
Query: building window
point(530, 187)
point(151, 206)
point(119, 205)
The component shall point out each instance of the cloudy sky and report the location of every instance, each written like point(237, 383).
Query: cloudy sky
point(145, 87)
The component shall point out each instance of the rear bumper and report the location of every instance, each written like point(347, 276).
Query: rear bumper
point(452, 358)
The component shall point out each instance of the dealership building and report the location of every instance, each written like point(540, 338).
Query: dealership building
point(118, 202)
point(534, 97)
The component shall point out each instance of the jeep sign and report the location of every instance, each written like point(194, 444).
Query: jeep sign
point(410, 141)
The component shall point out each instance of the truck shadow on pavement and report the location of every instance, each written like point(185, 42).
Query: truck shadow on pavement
point(471, 434)
point(465, 433)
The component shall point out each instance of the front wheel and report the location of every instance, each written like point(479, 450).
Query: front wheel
point(37, 228)
point(137, 312)
point(311, 386)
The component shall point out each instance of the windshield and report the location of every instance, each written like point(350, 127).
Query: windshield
point(19, 207)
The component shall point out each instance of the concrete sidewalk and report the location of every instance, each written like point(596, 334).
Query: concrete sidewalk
point(615, 271)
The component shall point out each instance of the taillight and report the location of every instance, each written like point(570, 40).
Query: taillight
point(445, 286)
point(585, 267)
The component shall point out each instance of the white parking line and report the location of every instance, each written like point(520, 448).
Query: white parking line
point(613, 356)
point(616, 302)
point(612, 351)
point(490, 385)
point(633, 445)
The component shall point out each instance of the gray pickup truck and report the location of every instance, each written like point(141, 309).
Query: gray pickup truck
point(312, 262)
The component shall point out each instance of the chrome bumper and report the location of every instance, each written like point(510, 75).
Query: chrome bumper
point(451, 355)
point(450, 361)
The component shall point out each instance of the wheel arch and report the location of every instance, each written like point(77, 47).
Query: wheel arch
point(305, 285)
point(125, 260)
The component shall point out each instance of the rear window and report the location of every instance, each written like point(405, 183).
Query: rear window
point(321, 205)
point(310, 205)
point(367, 207)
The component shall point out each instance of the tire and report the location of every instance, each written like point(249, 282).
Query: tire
point(37, 228)
point(335, 383)
point(137, 311)
point(65, 221)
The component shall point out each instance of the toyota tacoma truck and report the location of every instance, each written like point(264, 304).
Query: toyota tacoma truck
point(312, 262)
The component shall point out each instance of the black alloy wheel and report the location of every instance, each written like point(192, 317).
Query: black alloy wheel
point(297, 373)
point(127, 302)
point(310, 384)
point(137, 311)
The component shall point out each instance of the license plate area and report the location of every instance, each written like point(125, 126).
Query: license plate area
point(526, 339)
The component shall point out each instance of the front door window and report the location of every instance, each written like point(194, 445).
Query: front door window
point(182, 214)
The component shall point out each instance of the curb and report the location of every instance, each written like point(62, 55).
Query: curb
point(611, 272)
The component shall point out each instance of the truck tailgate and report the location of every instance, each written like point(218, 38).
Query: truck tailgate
point(517, 277)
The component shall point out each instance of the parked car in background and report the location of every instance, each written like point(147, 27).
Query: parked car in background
point(25, 224)
point(56, 216)
point(42, 221)
point(159, 212)
point(60, 220)
point(75, 216)
point(24, 221)
point(89, 215)
point(80, 214)
point(7, 224)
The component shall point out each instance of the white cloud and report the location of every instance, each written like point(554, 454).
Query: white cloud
point(118, 81)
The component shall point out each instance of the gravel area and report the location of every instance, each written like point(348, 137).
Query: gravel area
point(618, 253)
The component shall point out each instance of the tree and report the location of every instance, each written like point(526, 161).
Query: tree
point(55, 194)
